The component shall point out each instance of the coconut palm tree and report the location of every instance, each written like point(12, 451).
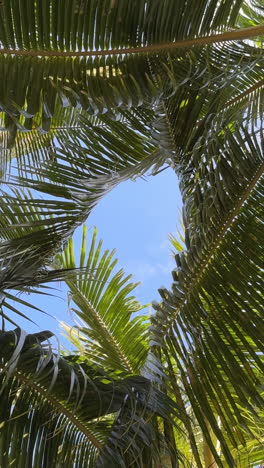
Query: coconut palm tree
point(94, 93)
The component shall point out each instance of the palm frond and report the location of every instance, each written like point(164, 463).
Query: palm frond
point(84, 166)
point(69, 405)
point(217, 305)
point(251, 14)
point(45, 89)
point(32, 231)
point(131, 106)
point(108, 334)
point(91, 161)
point(96, 25)
point(99, 85)
point(218, 172)
point(208, 91)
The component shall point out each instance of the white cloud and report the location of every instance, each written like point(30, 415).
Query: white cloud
point(142, 271)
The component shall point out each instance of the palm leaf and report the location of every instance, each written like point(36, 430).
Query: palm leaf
point(203, 100)
point(89, 162)
point(44, 90)
point(36, 383)
point(97, 85)
point(33, 230)
point(31, 233)
point(218, 166)
point(209, 310)
point(96, 25)
point(200, 109)
point(108, 334)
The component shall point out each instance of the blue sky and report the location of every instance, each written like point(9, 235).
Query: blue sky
point(135, 218)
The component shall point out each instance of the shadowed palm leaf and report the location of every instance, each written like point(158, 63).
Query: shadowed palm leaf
point(53, 395)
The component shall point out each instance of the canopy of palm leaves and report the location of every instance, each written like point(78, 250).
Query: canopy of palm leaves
point(93, 93)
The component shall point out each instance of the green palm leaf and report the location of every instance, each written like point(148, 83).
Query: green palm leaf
point(108, 334)
point(216, 305)
point(31, 233)
point(38, 98)
point(159, 82)
point(95, 25)
point(44, 90)
point(89, 162)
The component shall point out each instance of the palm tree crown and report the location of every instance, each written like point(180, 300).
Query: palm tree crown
point(93, 93)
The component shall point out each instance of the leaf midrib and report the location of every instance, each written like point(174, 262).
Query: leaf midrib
point(238, 34)
point(103, 327)
point(22, 377)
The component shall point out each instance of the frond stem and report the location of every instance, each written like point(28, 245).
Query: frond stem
point(59, 406)
point(250, 90)
point(105, 330)
point(235, 35)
